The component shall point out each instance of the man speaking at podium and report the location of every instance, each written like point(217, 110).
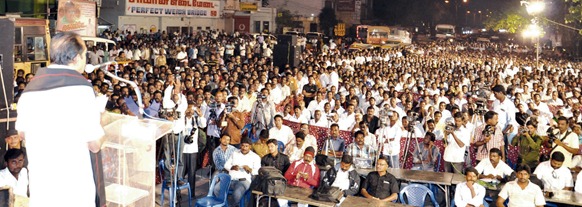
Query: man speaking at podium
point(60, 121)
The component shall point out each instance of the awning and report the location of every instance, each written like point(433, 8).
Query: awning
point(103, 22)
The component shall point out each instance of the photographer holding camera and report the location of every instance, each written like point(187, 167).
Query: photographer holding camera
point(234, 120)
point(456, 139)
point(488, 136)
point(563, 140)
point(529, 143)
point(194, 123)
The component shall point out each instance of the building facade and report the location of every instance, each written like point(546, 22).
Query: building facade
point(185, 16)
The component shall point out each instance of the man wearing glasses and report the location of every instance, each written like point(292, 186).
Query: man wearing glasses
point(554, 175)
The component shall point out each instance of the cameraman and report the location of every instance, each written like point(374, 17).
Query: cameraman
point(456, 140)
point(529, 144)
point(235, 121)
point(565, 141)
point(488, 136)
point(263, 112)
point(194, 122)
point(175, 105)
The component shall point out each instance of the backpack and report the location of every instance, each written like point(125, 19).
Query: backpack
point(327, 194)
point(270, 181)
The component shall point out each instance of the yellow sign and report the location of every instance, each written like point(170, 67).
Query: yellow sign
point(245, 6)
point(340, 30)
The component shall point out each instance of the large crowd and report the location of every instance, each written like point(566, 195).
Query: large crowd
point(224, 92)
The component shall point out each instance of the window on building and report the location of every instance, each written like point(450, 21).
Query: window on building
point(266, 26)
point(257, 26)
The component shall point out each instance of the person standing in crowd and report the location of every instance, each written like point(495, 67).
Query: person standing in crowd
point(456, 140)
point(529, 144)
point(389, 136)
point(505, 110)
point(489, 136)
point(566, 141)
point(235, 121)
point(45, 128)
point(194, 124)
point(262, 112)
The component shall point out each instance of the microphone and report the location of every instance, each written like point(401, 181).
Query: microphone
point(90, 68)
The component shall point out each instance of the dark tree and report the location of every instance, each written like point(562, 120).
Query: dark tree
point(327, 20)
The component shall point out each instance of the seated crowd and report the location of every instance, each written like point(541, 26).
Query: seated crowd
point(356, 106)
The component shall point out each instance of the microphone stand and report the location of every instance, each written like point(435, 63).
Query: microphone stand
point(131, 83)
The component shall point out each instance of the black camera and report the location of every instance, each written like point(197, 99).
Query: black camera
point(489, 130)
point(524, 130)
point(261, 96)
point(229, 107)
point(190, 138)
point(480, 108)
point(551, 136)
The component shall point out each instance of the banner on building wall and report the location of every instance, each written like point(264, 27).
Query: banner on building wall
point(245, 6)
point(77, 16)
point(232, 5)
point(173, 8)
point(346, 5)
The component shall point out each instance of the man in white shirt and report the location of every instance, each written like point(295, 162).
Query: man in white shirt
point(281, 132)
point(566, 141)
point(63, 89)
point(494, 167)
point(521, 192)
point(554, 174)
point(194, 122)
point(241, 166)
point(15, 175)
point(506, 110)
point(318, 120)
point(469, 192)
point(456, 140)
point(389, 138)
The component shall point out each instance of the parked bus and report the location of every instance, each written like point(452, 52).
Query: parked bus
point(444, 31)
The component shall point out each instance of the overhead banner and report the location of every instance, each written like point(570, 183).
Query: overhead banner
point(77, 16)
point(246, 6)
point(173, 8)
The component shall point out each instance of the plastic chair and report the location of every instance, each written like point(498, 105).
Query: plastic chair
point(211, 200)
point(281, 146)
point(245, 198)
point(165, 186)
point(416, 194)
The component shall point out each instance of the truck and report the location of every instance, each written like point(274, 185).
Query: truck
point(444, 31)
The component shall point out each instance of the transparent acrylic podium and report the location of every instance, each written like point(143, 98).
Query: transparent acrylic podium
point(129, 159)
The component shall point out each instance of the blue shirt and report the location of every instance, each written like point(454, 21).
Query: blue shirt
point(220, 156)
